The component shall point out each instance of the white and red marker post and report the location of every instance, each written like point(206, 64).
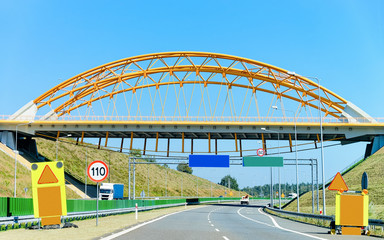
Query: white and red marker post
point(97, 172)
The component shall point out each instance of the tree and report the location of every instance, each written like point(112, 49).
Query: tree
point(229, 181)
point(182, 167)
point(135, 153)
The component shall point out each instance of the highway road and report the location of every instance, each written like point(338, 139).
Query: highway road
point(226, 222)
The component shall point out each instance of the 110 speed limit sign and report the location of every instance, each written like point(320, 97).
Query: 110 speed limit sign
point(97, 171)
point(260, 152)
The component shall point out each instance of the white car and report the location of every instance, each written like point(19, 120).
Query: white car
point(244, 200)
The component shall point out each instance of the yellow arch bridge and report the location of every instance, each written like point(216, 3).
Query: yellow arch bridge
point(188, 96)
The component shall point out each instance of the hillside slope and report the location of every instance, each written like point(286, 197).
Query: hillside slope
point(374, 167)
point(162, 181)
point(23, 181)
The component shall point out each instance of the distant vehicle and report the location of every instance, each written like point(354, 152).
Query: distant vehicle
point(292, 195)
point(244, 200)
point(110, 191)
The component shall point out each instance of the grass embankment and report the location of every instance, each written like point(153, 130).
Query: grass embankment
point(23, 180)
point(159, 185)
point(374, 167)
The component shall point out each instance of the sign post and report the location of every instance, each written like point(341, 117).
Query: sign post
point(97, 172)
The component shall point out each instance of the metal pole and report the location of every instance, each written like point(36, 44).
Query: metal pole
point(134, 179)
point(271, 189)
point(129, 178)
point(197, 186)
point(278, 148)
point(148, 180)
point(97, 204)
point(317, 182)
point(297, 170)
point(322, 150)
point(182, 180)
point(109, 165)
point(313, 190)
point(14, 191)
point(86, 176)
point(57, 140)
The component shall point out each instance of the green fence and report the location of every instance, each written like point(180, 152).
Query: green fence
point(24, 206)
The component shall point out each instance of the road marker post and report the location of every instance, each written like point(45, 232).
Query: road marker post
point(136, 211)
point(97, 171)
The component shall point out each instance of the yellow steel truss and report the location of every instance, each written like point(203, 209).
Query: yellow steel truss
point(90, 86)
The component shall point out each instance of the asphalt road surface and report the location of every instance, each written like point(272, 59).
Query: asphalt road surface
point(226, 222)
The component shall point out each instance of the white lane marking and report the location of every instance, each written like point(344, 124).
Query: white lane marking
point(253, 220)
point(140, 225)
point(217, 230)
point(289, 230)
point(225, 238)
point(212, 225)
point(209, 221)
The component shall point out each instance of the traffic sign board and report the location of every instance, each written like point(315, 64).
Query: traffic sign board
point(260, 152)
point(48, 191)
point(97, 171)
point(251, 161)
point(338, 184)
point(208, 161)
point(364, 181)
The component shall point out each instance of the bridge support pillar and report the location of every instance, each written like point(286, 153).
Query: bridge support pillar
point(374, 146)
point(8, 138)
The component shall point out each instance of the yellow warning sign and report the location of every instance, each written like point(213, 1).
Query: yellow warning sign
point(48, 191)
point(338, 184)
point(47, 176)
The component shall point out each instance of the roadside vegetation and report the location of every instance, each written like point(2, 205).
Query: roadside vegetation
point(374, 167)
point(162, 181)
point(23, 181)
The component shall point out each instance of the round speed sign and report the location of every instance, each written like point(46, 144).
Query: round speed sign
point(260, 152)
point(97, 171)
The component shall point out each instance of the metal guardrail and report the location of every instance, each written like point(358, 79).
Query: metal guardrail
point(307, 215)
point(371, 222)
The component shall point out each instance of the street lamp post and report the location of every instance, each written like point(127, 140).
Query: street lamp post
point(297, 162)
point(278, 149)
point(14, 191)
point(321, 135)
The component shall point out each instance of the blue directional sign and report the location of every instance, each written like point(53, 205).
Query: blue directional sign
point(209, 161)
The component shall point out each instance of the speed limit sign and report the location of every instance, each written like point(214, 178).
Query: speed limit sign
point(260, 152)
point(97, 171)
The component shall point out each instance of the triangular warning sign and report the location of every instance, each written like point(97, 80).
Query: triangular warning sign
point(338, 184)
point(47, 176)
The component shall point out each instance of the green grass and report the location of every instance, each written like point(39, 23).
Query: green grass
point(23, 180)
point(374, 167)
point(74, 162)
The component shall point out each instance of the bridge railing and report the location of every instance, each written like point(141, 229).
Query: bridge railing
point(199, 119)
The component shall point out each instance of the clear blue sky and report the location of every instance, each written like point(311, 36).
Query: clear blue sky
point(342, 42)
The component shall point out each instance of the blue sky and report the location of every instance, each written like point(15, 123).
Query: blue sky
point(342, 42)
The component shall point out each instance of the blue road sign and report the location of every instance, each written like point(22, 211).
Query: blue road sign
point(209, 161)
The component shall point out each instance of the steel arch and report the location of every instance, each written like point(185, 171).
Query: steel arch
point(297, 88)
